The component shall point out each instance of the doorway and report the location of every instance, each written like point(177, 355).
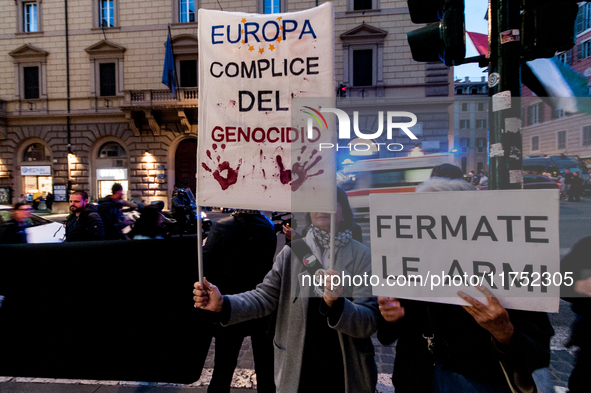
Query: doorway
point(185, 163)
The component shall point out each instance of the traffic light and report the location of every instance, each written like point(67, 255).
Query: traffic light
point(548, 27)
point(443, 40)
point(343, 90)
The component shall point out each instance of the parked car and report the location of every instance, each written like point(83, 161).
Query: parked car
point(40, 230)
point(536, 182)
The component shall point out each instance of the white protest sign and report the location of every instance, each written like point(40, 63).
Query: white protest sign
point(255, 149)
point(427, 246)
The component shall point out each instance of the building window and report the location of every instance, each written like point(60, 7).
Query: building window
point(28, 16)
point(271, 7)
point(30, 67)
point(464, 164)
point(187, 11)
point(586, 135)
point(35, 152)
point(465, 123)
point(480, 144)
point(188, 73)
point(363, 67)
point(363, 54)
point(561, 140)
point(108, 79)
point(112, 149)
point(481, 107)
point(584, 50)
point(558, 113)
point(474, 90)
point(535, 143)
point(106, 13)
point(584, 18)
point(465, 107)
point(535, 113)
point(31, 82)
point(464, 143)
point(459, 91)
point(566, 57)
point(362, 5)
point(106, 69)
point(481, 123)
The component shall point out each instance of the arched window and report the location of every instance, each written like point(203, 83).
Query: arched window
point(111, 149)
point(35, 152)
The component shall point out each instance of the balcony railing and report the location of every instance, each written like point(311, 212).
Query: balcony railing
point(186, 97)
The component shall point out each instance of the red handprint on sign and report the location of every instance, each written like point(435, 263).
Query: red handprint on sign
point(299, 169)
point(231, 175)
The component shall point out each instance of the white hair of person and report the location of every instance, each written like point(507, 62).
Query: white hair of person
point(445, 184)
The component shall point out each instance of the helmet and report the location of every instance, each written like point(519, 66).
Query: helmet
point(181, 191)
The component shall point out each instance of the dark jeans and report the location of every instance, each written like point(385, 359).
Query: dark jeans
point(228, 341)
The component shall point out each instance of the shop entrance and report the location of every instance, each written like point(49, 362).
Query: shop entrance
point(185, 163)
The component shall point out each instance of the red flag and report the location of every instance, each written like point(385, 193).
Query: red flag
point(480, 42)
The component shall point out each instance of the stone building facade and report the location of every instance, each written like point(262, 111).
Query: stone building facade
point(82, 105)
point(471, 125)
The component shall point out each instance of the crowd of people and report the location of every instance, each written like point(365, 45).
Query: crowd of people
point(90, 222)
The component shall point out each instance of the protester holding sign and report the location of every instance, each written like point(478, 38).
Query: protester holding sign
point(322, 336)
point(474, 348)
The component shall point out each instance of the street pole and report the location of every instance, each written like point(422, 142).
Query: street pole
point(505, 144)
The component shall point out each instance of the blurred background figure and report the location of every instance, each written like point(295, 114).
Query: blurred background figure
point(49, 201)
point(180, 206)
point(237, 255)
point(110, 209)
point(148, 225)
point(14, 231)
point(448, 171)
point(576, 187)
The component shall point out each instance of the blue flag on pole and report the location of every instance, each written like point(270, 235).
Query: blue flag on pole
point(168, 72)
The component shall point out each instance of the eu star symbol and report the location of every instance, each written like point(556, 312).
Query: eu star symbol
point(243, 20)
point(250, 48)
point(271, 47)
point(261, 50)
point(279, 18)
point(278, 39)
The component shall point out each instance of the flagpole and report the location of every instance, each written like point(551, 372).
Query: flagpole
point(199, 245)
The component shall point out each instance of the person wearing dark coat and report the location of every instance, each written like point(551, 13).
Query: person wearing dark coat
point(237, 255)
point(577, 264)
point(576, 188)
point(14, 231)
point(84, 223)
point(49, 201)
